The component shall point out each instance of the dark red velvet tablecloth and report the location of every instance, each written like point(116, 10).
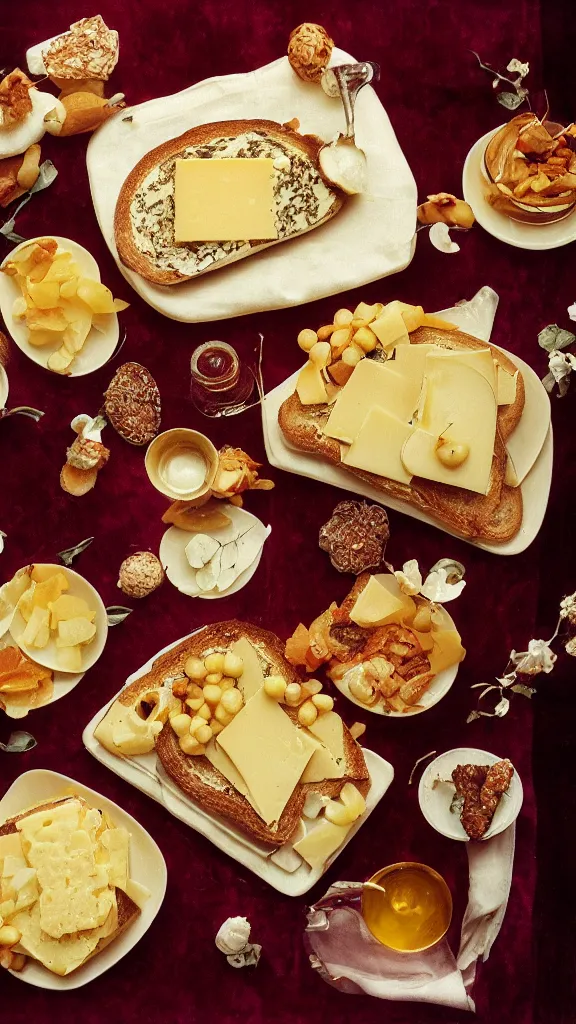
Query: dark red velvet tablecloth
point(439, 104)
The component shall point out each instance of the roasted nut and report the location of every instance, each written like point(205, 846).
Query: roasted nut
point(213, 679)
point(343, 317)
point(320, 354)
point(232, 701)
point(195, 703)
point(306, 339)
point(212, 693)
point(180, 688)
point(205, 712)
point(309, 51)
point(293, 694)
point(325, 332)
point(352, 355)
point(307, 713)
point(195, 691)
point(189, 745)
point(181, 724)
point(233, 665)
point(323, 702)
point(223, 716)
point(365, 339)
point(227, 683)
point(203, 734)
point(275, 687)
point(195, 668)
point(340, 340)
point(214, 662)
point(216, 727)
point(311, 687)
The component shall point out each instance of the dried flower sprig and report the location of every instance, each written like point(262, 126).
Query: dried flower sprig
point(537, 659)
point(553, 339)
point(512, 98)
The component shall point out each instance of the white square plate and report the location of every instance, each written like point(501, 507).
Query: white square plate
point(143, 773)
point(371, 237)
point(530, 444)
point(147, 866)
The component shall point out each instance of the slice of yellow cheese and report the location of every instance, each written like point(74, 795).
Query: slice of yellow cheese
point(478, 359)
point(447, 650)
point(269, 751)
point(252, 677)
point(219, 758)
point(224, 200)
point(371, 385)
point(390, 328)
point(378, 604)
point(506, 385)
point(378, 446)
point(321, 842)
point(310, 386)
point(329, 761)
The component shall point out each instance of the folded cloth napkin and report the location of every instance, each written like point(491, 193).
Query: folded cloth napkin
point(347, 956)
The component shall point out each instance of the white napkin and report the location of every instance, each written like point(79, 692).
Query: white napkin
point(372, 236)
point(347, 955)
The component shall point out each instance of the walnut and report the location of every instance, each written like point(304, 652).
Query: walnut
point(355, 536)
point(309, 51)
point(140, 574)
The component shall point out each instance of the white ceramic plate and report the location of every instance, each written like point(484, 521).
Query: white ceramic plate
point(142, 773)
point(172, 554)
point(438, 687)
point(435, 801)
point(530, 445)
point(523, 236)
point(147, 866)
point(325, 261)
point(79, 587)
point(3, 387)
point(100, 343)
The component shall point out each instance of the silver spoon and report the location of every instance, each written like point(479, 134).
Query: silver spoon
point(342, 161)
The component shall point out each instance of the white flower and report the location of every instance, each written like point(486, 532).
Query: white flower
point(409, 578)
point(501, 708)
point(436, 588)
point(538, 658)
point(233, 935)
point(520, 68)
point(440, 238)
point(568, 608)
point(561, 365)
point(572, 311)
point(2, 535)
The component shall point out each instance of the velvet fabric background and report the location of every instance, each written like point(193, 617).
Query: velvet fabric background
point(439, 103)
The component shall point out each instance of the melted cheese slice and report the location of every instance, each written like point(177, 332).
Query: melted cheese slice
point(252, 677)
point(329, 761)
point(371, 384)
point(378, 446)
point(64, 955)
point(224, 200)
point(270, 753)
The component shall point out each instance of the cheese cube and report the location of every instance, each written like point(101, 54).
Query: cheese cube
point(390, 328)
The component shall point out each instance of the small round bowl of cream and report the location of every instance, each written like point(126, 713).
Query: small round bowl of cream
point(181, 463)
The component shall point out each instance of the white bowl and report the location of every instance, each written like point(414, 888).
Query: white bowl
point(438, 687)
point(79, 587)
point(147, 866)
point(3, 387)
point(513, 232)
point(102, 340)
point(435, 800)
point(172, 554)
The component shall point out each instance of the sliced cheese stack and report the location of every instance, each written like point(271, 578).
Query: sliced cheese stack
point(428, 412)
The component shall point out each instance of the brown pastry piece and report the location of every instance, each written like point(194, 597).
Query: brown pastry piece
point(77, 481)
point(481, 786)
point(355, 536)
point(132, 404)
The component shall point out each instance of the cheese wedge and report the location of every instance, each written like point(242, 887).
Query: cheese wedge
point(506, 385)
point(446, 651)
point(269, 751)
point(329, 761)
point(372, 384)
point(390, 328)
point(378, 446)
point(224, 200)
point(310, 387)
point(457, 403)
point(321, 842)
point(377, 605)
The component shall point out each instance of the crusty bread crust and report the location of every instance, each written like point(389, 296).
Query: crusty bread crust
point(495, 517)
point(197, 777)
point(131, 256)
point(126, 909)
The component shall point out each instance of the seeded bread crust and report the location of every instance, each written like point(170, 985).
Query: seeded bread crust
point(128, 251)
point(495, 517)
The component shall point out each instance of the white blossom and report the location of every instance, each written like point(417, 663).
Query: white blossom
point(409, 578)
point(440, 238)
point(517, 66)
point(538, 658)
point(436, 587)
point(572, 311)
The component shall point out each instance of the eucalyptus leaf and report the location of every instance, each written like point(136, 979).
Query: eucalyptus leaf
point(69, 554)
point(117, 613)
point(22, 410)
point(526, 691)
point(502, 707)
point(18, 743)
point(552, 338)
point(510, 100)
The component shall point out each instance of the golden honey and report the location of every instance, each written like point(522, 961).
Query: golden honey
point(415, 911)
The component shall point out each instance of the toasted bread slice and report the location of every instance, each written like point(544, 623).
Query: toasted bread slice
point(494, 517)
point(126, 910)
point(196, 776)
point(144, 230)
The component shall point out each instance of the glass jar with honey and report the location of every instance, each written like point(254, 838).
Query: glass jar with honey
point(407, 906)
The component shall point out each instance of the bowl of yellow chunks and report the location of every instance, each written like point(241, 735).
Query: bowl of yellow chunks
point(56, 308)
point(59, 619)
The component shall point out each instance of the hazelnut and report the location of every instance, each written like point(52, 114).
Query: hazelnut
point(309, 51)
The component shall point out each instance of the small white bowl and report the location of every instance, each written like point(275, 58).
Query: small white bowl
point(3, 387)
point(521, 235)
point(79, 587)
point(102, 339)
point(172, 554)
point(147, 866)
point(435, 801)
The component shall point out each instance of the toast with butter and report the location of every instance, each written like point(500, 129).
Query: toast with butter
point(144, 221)
point(495, 515)
point(64, 910)
point(239, 776)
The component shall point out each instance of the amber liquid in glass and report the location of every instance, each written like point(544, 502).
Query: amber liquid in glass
point(219, 380)
point(415, 911)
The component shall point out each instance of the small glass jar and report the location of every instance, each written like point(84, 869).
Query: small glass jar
point(220, 383)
